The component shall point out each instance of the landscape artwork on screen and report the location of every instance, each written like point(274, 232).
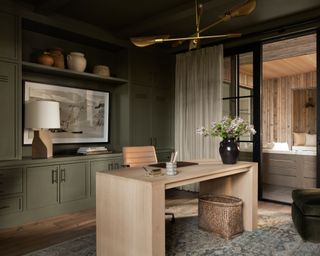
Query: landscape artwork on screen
point(83, 113)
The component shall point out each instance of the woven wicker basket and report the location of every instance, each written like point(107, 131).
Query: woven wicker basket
point(221, 215)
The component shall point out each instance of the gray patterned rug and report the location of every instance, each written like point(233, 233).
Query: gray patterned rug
point(275, 236)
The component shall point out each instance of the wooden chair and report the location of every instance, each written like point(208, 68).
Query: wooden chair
point(141, 156)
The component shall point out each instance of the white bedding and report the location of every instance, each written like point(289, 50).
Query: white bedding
point(304, 148)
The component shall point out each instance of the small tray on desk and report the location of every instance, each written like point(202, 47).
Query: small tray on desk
point(179, 164)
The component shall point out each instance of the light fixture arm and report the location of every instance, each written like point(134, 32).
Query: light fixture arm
point(242, 10)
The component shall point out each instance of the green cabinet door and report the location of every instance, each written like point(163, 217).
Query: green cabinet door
point(42, 186)
point(97, 166)
point(141, 116)
point(8, 110)
point(9, 36)
point(102, 166)
point(73, 182)
point(162, 118)
point(141, 66)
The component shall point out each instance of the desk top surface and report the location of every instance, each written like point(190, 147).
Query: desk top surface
point(204, 168)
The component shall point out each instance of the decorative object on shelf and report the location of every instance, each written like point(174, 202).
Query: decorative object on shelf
point(84, 113)
point(101, 70)
point(76, 61)
point(45, 59)
point(58, 57)
point(230, 131)
point(42, 115)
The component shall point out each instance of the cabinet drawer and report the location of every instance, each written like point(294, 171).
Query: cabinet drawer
point(10, 205)
point(10, 181)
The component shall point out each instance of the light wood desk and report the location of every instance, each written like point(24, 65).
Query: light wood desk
point(131, 206)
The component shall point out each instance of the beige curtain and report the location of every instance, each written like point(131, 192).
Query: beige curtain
point(198, 102)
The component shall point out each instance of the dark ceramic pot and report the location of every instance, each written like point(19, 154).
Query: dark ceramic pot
point(229, 151)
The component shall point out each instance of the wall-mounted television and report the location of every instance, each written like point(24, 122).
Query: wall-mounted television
point(84, 114)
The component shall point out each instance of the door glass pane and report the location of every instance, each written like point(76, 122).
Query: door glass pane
point(245, 112)
point(229, 107)
point(228, 87)
point(245, 73)
point(245, 151)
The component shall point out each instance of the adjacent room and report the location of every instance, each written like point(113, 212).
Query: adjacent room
point(153, 128)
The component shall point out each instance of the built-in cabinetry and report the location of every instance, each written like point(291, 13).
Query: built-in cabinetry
point(34, 189)
point(11, 189)
point(291, 170)
point(141, 90)
point(152, 79)
point(55, 184)
point(9, 87)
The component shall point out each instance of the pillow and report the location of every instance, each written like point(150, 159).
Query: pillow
point(281, 146)
point(299, 139)
point(311, 139)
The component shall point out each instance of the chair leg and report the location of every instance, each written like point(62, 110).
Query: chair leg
point(172, 216)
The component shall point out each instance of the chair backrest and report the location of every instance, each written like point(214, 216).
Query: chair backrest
point(139, 156)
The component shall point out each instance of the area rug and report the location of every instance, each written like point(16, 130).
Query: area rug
point(275, 236)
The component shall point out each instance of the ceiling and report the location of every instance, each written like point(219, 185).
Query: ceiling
point(175, 17)
point(285, 58)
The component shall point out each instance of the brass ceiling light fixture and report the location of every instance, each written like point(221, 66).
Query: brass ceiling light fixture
point(240, 10)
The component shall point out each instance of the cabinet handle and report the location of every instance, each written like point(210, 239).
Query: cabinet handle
point(63, 175)
point(54, 176)
point(4, 207)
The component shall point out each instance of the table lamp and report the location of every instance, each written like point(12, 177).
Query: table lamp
point(40, 116)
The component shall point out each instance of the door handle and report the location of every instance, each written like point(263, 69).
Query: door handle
point(63, 175)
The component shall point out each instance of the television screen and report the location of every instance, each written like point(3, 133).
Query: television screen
point(84, 114)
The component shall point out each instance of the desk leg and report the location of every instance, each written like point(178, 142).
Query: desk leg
point(243, 185)
point(130, 217)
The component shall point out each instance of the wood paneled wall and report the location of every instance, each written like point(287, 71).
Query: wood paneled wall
point(304, 116)
point(277, 106)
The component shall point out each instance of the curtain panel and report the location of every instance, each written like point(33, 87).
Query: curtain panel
point(198, 102)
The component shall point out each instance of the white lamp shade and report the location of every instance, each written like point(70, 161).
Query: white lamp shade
point(42, 114)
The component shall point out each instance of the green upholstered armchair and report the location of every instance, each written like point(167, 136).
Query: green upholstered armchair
point(306, 213)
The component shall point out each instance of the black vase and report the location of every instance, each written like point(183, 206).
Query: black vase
point(229, 151)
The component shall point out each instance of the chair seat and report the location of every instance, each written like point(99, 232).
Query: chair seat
point(308, 201)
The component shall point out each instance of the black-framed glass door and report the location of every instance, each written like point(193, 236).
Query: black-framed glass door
point(289, 126)
point(241, 95)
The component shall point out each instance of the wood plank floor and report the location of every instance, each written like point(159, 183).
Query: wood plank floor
point(37, 235)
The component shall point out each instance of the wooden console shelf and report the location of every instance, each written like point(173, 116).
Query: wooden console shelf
point(34, 67)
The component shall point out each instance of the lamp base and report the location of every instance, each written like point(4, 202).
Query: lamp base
point(42, 144)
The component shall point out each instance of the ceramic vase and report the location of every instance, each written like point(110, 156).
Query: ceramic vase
point(229, 151)
point(76, 61)
point(101, 70)
point(56, 54)
point(45, 59)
